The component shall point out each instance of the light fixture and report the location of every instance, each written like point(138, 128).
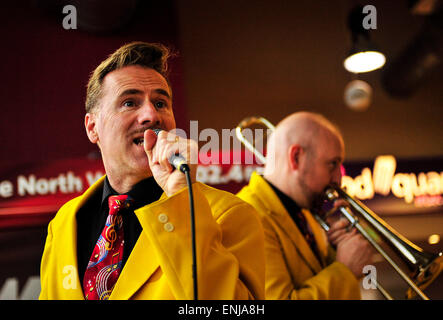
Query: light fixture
point(363, 56)
point(364, 61)
point(434, 239)
point(358, 95)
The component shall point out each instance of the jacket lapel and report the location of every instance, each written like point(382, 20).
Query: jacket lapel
point(284, 220)
point(291, 230)
point(68, 238)
point(137, 270)
point(320, 237)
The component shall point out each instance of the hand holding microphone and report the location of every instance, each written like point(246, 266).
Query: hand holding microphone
point(176, 159)
point(167, 151)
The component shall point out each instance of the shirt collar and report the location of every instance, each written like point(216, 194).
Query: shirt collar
point(290, 205)
point(142, 193)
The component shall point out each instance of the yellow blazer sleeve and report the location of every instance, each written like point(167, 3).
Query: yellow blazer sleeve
point(334, 282)
point(44, 281)
point(229, 244)
point(58, 271)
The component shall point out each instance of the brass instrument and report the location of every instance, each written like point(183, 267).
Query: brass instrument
point(424, 266)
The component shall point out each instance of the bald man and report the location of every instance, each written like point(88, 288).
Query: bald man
point(304, 156)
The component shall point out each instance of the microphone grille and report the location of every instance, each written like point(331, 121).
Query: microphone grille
point(156, 130)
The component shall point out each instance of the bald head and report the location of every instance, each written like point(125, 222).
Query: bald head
point(299, 141)
point(306, 129)
point(303, 128)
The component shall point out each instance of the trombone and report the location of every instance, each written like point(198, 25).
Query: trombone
point(424, 266)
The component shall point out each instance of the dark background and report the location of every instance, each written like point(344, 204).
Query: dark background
point(272, 58)
point(236, 59)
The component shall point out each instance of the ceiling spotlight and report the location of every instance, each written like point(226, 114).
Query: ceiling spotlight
point(358, 95)
point(364, 55)
point(434, 239)
point(364, 61)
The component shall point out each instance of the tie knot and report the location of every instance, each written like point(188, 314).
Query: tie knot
point(116, 203)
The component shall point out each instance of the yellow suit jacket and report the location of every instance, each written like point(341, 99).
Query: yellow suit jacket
point(229, 245)
point(292, 269)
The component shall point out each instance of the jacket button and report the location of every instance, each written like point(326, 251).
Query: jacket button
point(163, 218)
point(169, 227)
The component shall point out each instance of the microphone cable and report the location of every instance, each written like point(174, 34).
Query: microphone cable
point(185, 169)
point(178, 162)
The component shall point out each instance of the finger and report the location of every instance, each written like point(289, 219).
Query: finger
point(338, 239)
point(345, 237)
point(360, 242)
point(150, 139)
point(179, 146)
point(356, 238)
point(336, 236)
point(342, 222)
point(339, 224)
point(340, 203)
point(333, 218)
point(336, 233)
point(165, 150)
point(174, 145)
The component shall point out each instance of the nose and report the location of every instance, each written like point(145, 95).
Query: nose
point(148, 115)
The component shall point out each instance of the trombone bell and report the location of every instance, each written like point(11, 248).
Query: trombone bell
point(426, 274)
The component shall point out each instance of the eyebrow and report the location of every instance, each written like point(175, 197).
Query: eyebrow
point(129, 92)
point(163, 92)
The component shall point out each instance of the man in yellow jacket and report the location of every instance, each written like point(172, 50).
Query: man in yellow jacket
point(304, 155)
point(129, 235)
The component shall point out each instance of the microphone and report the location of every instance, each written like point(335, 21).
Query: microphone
point(176, 160)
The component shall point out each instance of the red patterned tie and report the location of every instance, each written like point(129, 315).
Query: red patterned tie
point(106, 260)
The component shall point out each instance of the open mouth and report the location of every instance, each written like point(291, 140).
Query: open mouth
point(139, 141)
point(138, 135)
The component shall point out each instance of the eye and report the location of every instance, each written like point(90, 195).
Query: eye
point(160, 104)
point(129, 103)
point(333, 165)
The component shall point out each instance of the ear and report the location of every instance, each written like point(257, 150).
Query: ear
point(90, 126)
point(295, 153)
